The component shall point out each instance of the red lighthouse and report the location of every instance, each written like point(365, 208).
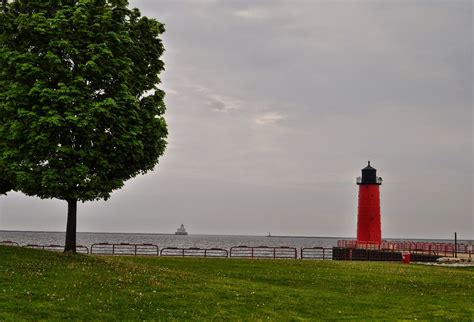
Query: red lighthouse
point(368, 218)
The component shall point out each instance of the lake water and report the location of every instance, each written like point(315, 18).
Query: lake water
point(202, 241)
point(163, 240)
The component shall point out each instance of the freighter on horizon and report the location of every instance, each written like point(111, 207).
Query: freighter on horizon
point(181, 231)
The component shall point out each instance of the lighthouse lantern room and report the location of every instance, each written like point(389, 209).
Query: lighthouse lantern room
point(368, 218)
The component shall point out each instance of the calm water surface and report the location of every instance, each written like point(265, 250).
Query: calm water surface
point(202, 241)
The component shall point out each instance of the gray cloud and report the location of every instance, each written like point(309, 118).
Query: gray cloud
point(269, 118)
point(273, 107)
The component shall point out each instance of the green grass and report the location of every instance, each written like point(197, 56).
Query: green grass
point(43, 285)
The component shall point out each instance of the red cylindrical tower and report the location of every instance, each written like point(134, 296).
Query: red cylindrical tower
point(368, 219)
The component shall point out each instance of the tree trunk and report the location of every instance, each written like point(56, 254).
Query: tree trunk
point(70, 246)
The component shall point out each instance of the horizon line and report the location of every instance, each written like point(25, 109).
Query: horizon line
point(210, 234)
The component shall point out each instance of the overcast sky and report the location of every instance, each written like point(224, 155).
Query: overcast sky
point(275, 106)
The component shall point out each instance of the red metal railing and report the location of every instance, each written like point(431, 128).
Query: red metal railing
point(441, 249)
point(9, 243)
point(281, 252)
point(194, 252)
point(320, 253)
point(125, 249)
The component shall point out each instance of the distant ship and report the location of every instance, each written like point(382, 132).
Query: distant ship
point(181, 231)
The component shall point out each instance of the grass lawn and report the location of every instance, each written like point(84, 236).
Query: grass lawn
point(37, 284)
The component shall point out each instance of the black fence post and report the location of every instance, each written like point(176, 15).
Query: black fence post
point(456, 244)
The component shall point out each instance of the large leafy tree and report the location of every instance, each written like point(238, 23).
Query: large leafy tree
point(80, 112)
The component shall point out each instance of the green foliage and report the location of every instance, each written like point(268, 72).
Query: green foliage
point(38, 285)
point(80, 112)
point(6, 184)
